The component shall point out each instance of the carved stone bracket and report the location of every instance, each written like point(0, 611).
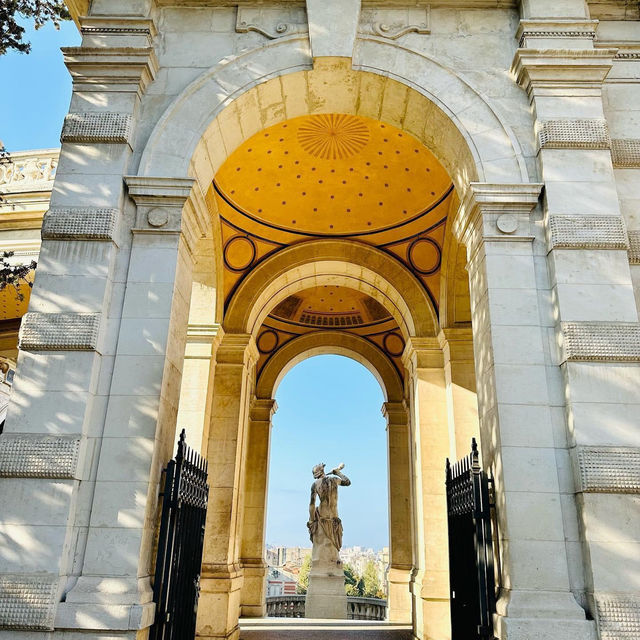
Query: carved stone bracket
point(27, 601)
point(600, 341)
point(37, 456)
point(59, 331)
point(272, 22)
point(586, 232)
point(394, 22)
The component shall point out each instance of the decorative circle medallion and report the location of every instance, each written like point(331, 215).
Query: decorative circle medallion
point(424, 256)
point(507, 223)
point(267, 341)
point(157, 217)
point(333, 136)
point(393, 344)
point(239, 253)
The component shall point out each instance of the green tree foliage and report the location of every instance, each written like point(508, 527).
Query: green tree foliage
point(303, 576)
point(14, 275)
point(371, 584)
point(41, 11)
point(353, 583)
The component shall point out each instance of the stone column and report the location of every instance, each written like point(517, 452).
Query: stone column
point(221, 579)
point(53, 436)
point(516, 428)
point(462, 401)
point(114, 590)
point(401, 543)
point(256, 480)
point(596, 332)
point(428, 401)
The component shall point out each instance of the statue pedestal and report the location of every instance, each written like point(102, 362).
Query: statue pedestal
point(326, 597)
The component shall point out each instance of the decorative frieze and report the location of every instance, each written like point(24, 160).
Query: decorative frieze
point(36, 456)
point(618, 616)
point(27, 601)
point(601, 341)
point(587, 232)
point(107, 127)
point(609, 469)
point(634, 247)
point(589, 133)
point(79, 223)
point(625, 152)
point(29, 171)
point(59, 331)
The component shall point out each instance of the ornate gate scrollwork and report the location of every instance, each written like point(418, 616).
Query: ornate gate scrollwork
point(472, 586)
point(177, 578)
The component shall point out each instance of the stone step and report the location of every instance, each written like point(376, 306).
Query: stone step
point(309, 629)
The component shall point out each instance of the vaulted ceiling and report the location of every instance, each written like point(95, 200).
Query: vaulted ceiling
point(332, 175)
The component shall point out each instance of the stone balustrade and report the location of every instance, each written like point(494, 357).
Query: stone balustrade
point(357, 608)
point(29, 170)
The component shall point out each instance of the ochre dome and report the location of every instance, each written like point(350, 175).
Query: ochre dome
point(328, 175)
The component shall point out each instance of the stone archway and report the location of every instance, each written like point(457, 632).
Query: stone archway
point(212, 118)
point(398, 449)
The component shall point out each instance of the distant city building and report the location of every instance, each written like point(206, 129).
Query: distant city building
point(281, 583)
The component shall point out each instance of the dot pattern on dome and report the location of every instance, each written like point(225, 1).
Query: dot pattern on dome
point(335, 175)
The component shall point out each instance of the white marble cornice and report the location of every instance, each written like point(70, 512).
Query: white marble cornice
point(541, 71)
point(119, 69)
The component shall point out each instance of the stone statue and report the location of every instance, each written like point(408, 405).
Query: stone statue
point(326, 597)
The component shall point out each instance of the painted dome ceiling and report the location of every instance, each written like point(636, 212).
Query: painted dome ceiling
point(330, 307)
point(332, 175)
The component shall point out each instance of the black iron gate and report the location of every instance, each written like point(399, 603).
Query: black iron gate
point(177, 579)
point(470, 549)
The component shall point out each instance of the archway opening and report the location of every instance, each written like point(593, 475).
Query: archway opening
point(328, 411)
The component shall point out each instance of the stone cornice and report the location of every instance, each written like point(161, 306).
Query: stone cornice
point(159, 204)
point(422, 353)
point(262, 409)
point(119, 69)
point(496, 212)
point(237, 348)
point(159, 191)
point(550, 70)
point(555, 28)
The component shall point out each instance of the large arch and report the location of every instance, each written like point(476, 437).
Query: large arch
point(305, 264)
point(262, 87)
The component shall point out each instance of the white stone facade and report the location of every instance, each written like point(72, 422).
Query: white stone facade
point(534, 110)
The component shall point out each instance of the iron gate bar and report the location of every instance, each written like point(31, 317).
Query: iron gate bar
point(180, 542)
point(471, 568)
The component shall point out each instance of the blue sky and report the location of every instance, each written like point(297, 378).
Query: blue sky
point(329, 406)
point(38, 89)
point(328, 411)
